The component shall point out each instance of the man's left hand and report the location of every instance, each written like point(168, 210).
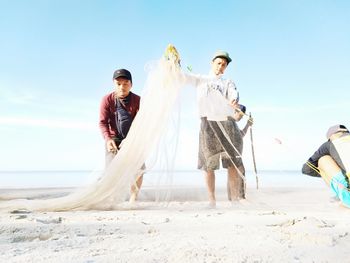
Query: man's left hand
point(234, 104)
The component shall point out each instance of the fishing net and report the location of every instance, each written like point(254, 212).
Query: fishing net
point(152, 139)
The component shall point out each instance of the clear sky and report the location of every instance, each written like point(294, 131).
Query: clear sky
point(291, 62)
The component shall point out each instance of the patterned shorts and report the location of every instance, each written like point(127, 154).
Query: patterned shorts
point(219, 139)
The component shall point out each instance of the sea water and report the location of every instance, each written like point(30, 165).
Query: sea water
point(188, 178)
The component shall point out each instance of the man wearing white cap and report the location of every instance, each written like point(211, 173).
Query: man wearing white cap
point(332, 162)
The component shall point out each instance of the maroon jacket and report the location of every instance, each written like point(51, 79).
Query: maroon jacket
point(107, 122)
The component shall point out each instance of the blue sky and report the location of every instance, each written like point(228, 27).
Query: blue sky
point(290, 63)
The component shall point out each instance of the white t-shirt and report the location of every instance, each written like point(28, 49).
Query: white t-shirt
point(214, 95)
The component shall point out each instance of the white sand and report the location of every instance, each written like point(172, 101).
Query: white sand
point(272, 225)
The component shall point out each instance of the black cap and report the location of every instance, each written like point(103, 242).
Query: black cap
point(124, 73)
point(242, 108)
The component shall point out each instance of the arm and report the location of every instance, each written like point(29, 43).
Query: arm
point(232, 94)
point(104, 124)
point(311, 166)
point(246, 127)
point(193, 79)
point(104, 119)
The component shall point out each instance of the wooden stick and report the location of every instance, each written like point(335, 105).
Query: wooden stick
point(252, 144)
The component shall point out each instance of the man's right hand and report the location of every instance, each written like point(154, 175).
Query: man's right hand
point(111, 146)
point(250, 121)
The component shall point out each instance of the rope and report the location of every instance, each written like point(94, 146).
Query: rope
point(235, 149)
point(325, 176)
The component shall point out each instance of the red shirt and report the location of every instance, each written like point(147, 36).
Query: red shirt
point(107, 122)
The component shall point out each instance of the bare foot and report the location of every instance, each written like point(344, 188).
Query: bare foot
point(132, 199)
point(212, 204)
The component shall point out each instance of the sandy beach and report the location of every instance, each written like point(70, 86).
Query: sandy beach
point(272, 225)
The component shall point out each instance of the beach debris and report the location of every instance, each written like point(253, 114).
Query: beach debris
point(57, 220)
point(338, 238)
point(271, 213)
point(314, 221)
point(45, 236)
point(287, 223)
point(323, 224)
point(166, 220)
point(152, 230)
point(23, 238)
point(20, 211)
point(21, 217)
point(343, 235)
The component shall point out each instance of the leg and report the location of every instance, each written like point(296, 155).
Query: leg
point(108, 157)
point(228, 187)
point(235, 183)
point(238, 183)
point(231, 142)
point(208, 158)
point(210, 181)
point(242, 188)
point(328, 168)
point(135, 188)
point(333, 176)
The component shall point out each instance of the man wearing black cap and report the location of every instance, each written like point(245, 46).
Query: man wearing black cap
point(118, 110)
point(238, 114)
point(332, 162)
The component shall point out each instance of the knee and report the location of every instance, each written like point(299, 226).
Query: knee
point(328, 165)
point(326, 161)
point(209, 173)
point(325, 158)
point(239, 170)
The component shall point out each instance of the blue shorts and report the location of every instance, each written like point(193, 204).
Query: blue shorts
point(340, 188)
